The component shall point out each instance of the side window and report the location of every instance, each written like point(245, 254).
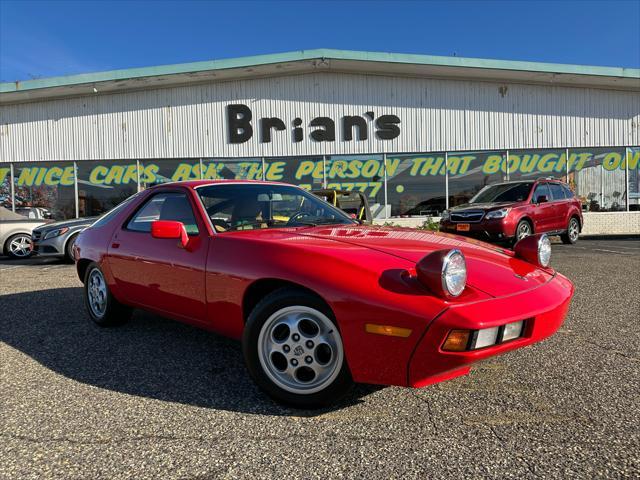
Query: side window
point(567, 191)
point(164, 206)
point(541, 189)
point(557, 192)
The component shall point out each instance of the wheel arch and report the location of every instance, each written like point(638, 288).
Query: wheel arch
point(260, 288)
point(81, 267)
point(529, 220)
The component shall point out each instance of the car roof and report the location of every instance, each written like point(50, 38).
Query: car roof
point(202, 183)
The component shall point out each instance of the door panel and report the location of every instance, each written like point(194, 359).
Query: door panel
point(560, 206)
point(157, 273)
point(542, 213)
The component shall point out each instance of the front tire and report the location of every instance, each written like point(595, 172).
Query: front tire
point(103, 308)
point(572, 233)
point(523, 230)
point(68, 249)
point(18, 246)
point(293, 350)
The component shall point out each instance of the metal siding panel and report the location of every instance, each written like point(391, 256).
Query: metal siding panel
point(436, 115)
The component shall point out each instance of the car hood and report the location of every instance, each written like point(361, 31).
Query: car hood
point(76, 222)
point(481, 206)
point(490, 269)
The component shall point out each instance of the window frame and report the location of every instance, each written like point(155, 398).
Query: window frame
point(149, 197)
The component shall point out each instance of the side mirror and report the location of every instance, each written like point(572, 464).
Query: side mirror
point(542, 199)
point(170, 229)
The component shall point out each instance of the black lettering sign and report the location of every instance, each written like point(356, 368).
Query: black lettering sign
point(239, 121)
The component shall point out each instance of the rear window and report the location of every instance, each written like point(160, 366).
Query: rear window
point(557, 192)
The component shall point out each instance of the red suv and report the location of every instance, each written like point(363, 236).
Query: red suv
point(513, 210)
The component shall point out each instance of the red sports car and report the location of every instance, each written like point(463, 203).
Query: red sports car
point(318, 300)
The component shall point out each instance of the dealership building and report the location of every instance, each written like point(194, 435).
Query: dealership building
point(416, 133)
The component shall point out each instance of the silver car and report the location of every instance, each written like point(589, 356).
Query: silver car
point(56, 239)
point(15, 233)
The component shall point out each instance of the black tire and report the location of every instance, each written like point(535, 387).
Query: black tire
point(114, 313)
point(12, 253)
point(570, 237)
point(520, 228)
point(337, 383)
point(68, 249)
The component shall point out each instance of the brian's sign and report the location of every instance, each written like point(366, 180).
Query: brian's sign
point(242, 126)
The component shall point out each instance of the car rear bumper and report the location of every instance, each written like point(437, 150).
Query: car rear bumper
point(543, 309)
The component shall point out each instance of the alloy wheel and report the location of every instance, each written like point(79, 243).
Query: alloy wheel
point(21, 246)
point(574, 230)
point(300, 349)
point(97, 293)
point(524, 230)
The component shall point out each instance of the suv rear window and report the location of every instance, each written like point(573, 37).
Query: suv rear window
point(557, 192)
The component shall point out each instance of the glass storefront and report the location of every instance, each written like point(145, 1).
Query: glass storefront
point(103, 185)
point(604, 179)
point(44, 190)
point(471, 172)
point(416, 184)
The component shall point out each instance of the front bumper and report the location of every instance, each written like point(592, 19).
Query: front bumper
point(492, 230)
point(53, 247)
point(543, 308)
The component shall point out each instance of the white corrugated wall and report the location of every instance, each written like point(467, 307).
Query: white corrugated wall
point(436, 115)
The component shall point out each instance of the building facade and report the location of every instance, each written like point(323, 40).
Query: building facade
point(418, 134)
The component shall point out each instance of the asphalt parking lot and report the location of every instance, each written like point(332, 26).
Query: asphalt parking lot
point(158, 399)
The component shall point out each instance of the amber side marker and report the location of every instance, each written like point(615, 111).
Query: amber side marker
point(457, 341)
point(388, 330)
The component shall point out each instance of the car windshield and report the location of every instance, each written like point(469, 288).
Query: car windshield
point(503, 192)
point(255, 206)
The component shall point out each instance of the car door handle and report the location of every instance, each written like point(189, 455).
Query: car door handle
point(115, 245)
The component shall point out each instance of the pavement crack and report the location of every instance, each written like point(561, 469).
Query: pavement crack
point(432, 418)
point(599, 346)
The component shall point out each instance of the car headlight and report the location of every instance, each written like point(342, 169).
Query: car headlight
point(55, 233)
point(443, 272)
point(497, 213)
point(444, 215)
point(534, 249)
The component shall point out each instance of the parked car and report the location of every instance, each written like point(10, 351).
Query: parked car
point(318, 300)
point(511, 211)
point(57, 239)
point(39, 213)
point(354, 203)
point(15, 234)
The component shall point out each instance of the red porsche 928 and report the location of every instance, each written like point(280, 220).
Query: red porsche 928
point(318, 300)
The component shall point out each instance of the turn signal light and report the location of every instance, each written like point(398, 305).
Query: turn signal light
point(457, 341)
point(388, 330)
point(463, 340)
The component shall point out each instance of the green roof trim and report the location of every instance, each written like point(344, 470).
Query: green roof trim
point(257, 60)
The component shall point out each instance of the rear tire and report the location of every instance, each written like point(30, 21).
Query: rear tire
point(293, 350)
point(572, 233)
point(103, 308)
point(18, 246)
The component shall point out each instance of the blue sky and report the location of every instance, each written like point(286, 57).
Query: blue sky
point(42, 39)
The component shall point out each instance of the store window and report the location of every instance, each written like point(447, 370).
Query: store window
point(45, 190)
point(535, 164)
point(5, 186)
point(153, 172)
point(306, 172)
point(471, 172)
point(104, 184)
point(232, 169)
point(363, 173)
point(597, 176)
point(416, 184)
point(633, 160)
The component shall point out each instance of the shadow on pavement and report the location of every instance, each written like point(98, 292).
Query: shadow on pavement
point(149, 356)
